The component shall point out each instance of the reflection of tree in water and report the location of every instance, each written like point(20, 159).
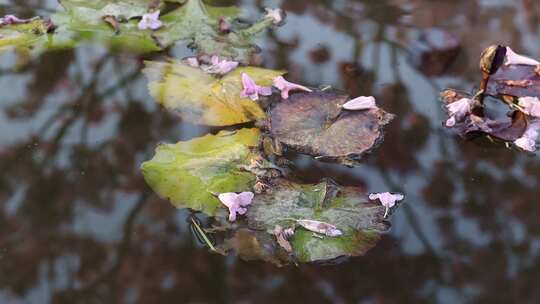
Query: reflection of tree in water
point(468, 232)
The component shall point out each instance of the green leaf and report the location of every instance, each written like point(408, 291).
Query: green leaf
point(190, 173)
point(203, 99)
point(198, 24)
point(85, 11)
point(84, 20)
point(345, 207)
point(22, 35)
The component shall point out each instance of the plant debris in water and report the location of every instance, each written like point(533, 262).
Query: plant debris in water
point(508, 79)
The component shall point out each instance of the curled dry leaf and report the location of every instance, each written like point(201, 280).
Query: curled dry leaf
point(316, 124)
point(479, 121)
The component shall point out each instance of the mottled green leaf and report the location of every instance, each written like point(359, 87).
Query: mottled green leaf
point(203, 99)
point(197, 24)
point(23, 35)
point(345, 207)
point(190, 173)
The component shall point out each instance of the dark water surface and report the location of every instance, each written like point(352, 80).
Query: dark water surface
point(79, 225)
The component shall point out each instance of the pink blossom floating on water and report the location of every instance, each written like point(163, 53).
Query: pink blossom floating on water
point(527, 141)
point(220, 66)
point(360, 103)
point(320, 227)
point(387, 199)
point(458, 110)
point(285, 86)
point(150, 21)
point(514, 58)
point(530, 105)
point(236, 202)
point(252, 90)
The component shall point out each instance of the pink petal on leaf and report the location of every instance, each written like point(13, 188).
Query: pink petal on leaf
point(150, 21)
point(245, 198)
point(251, 89)
point(285, 86)
point(360, 103)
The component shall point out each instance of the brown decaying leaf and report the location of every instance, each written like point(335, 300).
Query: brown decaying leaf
point(113, 22)
point(514, 80)
point(315, 124)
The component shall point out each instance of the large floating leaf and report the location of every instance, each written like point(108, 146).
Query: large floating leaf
point(315, 124)
point(198, 23)
point(203, 99)
point(23, 35)
point(344, 207)
point(190, 173)
point(85, 20)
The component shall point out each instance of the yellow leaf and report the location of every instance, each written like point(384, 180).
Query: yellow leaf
point(201, 98)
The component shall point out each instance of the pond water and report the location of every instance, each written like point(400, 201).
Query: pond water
point(78, 224)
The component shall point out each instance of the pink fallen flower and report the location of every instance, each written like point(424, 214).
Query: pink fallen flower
point(192, 62)
point(285, 86)
point(276, 14)
point(236, 202)
point(387, 199)
point(150, 21)
point(320, 227)
point(252, 90)
point(458, 110)
point(527, 141)
point(360, 103)
point(220, 66)
point(530, 105)
point(514, 58)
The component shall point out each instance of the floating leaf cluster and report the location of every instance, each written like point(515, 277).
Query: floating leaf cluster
point(236, 176)
point(508, 79)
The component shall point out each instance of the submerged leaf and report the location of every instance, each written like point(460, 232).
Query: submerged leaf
point(199, 24)
point(346, 208)
point(315, 124)
point(87, 20)
point(203, 99)
point(191, 173)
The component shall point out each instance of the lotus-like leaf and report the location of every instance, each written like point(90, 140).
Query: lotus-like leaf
point(315, 124)
point(198, 24)
point(345, 207)
point(201, 98)
point(191, 173)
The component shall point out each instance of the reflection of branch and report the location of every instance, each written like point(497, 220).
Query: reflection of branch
point(123, 248)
